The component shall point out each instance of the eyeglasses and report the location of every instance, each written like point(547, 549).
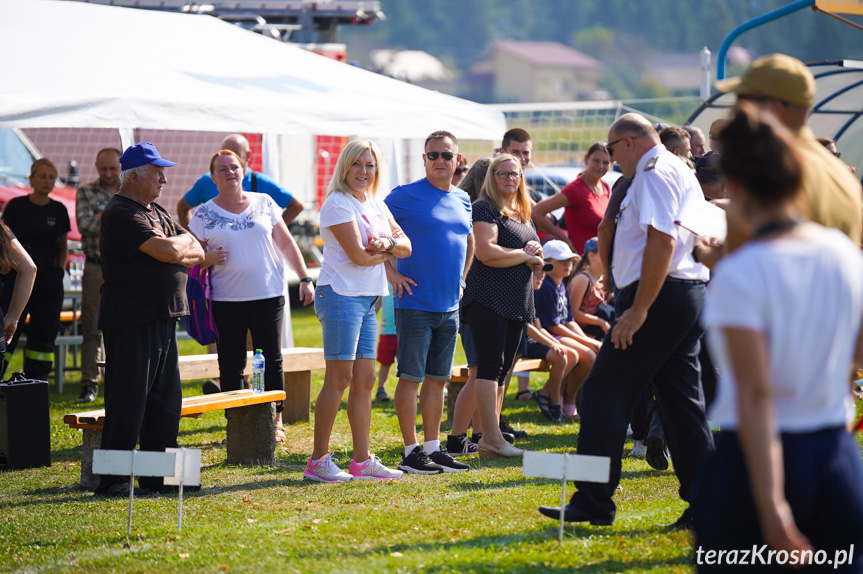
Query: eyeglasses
point(609, 146)
point(508, 174)
point(433, 155)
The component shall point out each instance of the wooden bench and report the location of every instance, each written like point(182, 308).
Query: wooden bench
point(247, 443)
point(460, 375)
point(250, 430)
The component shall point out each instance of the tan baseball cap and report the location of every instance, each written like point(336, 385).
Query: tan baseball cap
point(777, 76)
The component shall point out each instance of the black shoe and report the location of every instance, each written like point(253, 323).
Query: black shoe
point(443, 459)
point(474, 438)
point(88, 395)
point(574, 514)
point(685, 522)
point(382, 395)
point(460, 445)
point(506, 427)
point(209, 388)
point(418, 462)
point(657, 454)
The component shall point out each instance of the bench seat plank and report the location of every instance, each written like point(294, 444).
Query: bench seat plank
point(192, 406)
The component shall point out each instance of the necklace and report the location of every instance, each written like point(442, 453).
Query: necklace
point(775, 226)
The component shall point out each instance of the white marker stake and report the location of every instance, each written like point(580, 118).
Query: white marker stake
point(187, 470)
point(581, 467)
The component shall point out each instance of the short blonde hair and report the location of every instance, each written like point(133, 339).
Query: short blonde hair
point(492, 193)
point(347, 158)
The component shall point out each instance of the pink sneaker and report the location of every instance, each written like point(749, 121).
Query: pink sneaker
point(373, 469)
point(325, 470)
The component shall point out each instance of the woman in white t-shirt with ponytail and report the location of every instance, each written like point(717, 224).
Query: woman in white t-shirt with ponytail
point(359, 235)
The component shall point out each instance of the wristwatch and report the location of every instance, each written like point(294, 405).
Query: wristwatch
point(462, 283)
point(306, 280)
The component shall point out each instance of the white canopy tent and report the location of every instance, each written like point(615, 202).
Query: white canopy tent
point(70, 64)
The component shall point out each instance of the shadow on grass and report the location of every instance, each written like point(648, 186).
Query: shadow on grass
point(521, 541)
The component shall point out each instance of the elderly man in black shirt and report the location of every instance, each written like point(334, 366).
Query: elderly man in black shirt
point(145, 254)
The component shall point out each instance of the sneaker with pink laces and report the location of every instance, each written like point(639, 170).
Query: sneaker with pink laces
point(373, 469)
point(325, 470)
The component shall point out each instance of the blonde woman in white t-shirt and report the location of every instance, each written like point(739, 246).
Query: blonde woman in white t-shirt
point(359, 236)
point(783, 318)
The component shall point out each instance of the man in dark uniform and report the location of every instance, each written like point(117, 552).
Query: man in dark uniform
point(656, 332)
point(145, 254)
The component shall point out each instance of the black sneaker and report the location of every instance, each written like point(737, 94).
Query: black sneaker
point(506, 427)
point(449, 464)
point(211, 387)
point(88, 395)
point(418, 462)
point(474, 438)
point(460, 445)
point(382, 395)
point(657, 454)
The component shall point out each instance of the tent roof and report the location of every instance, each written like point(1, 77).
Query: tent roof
point(128, 68)
point(837, 113)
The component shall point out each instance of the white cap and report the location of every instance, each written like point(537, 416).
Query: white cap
point(557, 249)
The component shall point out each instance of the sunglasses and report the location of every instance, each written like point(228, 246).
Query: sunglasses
point(610, 146)
point(433, 155)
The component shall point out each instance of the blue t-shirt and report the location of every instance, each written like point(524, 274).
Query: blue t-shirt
point(205, 189)
point(437, 223)
point(552, 304)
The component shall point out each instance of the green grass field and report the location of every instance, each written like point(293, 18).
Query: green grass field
point(257, 519)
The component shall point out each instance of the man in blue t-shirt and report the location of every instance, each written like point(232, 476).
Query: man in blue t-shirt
point(204, 189)
point(427, 287)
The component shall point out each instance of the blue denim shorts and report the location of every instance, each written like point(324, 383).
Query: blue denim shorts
point(349, 325)
point(426, 344)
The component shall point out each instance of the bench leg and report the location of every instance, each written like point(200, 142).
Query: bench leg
point(452, 395)
point(298, 392)
point(92, 440)
point(251, 434)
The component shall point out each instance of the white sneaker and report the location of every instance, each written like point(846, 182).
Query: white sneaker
point(373, 469)
point(639, 449)
point(325, 470)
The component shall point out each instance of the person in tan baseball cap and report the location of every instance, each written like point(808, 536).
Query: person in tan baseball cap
point(776, 76)
point(785, 87)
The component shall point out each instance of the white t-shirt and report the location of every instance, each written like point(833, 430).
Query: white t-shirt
point(253, 269)
point(806, 296)
point(338, 271)
point(654, 199)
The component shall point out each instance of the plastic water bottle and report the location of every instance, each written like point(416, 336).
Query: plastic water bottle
point(258, 372)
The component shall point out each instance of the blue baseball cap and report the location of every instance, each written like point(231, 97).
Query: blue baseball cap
point(590, 245)
point(142, 154)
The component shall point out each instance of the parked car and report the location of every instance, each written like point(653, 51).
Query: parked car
point(17, 153)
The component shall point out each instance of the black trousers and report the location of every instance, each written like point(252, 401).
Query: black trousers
point(44, 306)
point(496, 339)
point(263, 318)
point(142, 391)
point(665, 350)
